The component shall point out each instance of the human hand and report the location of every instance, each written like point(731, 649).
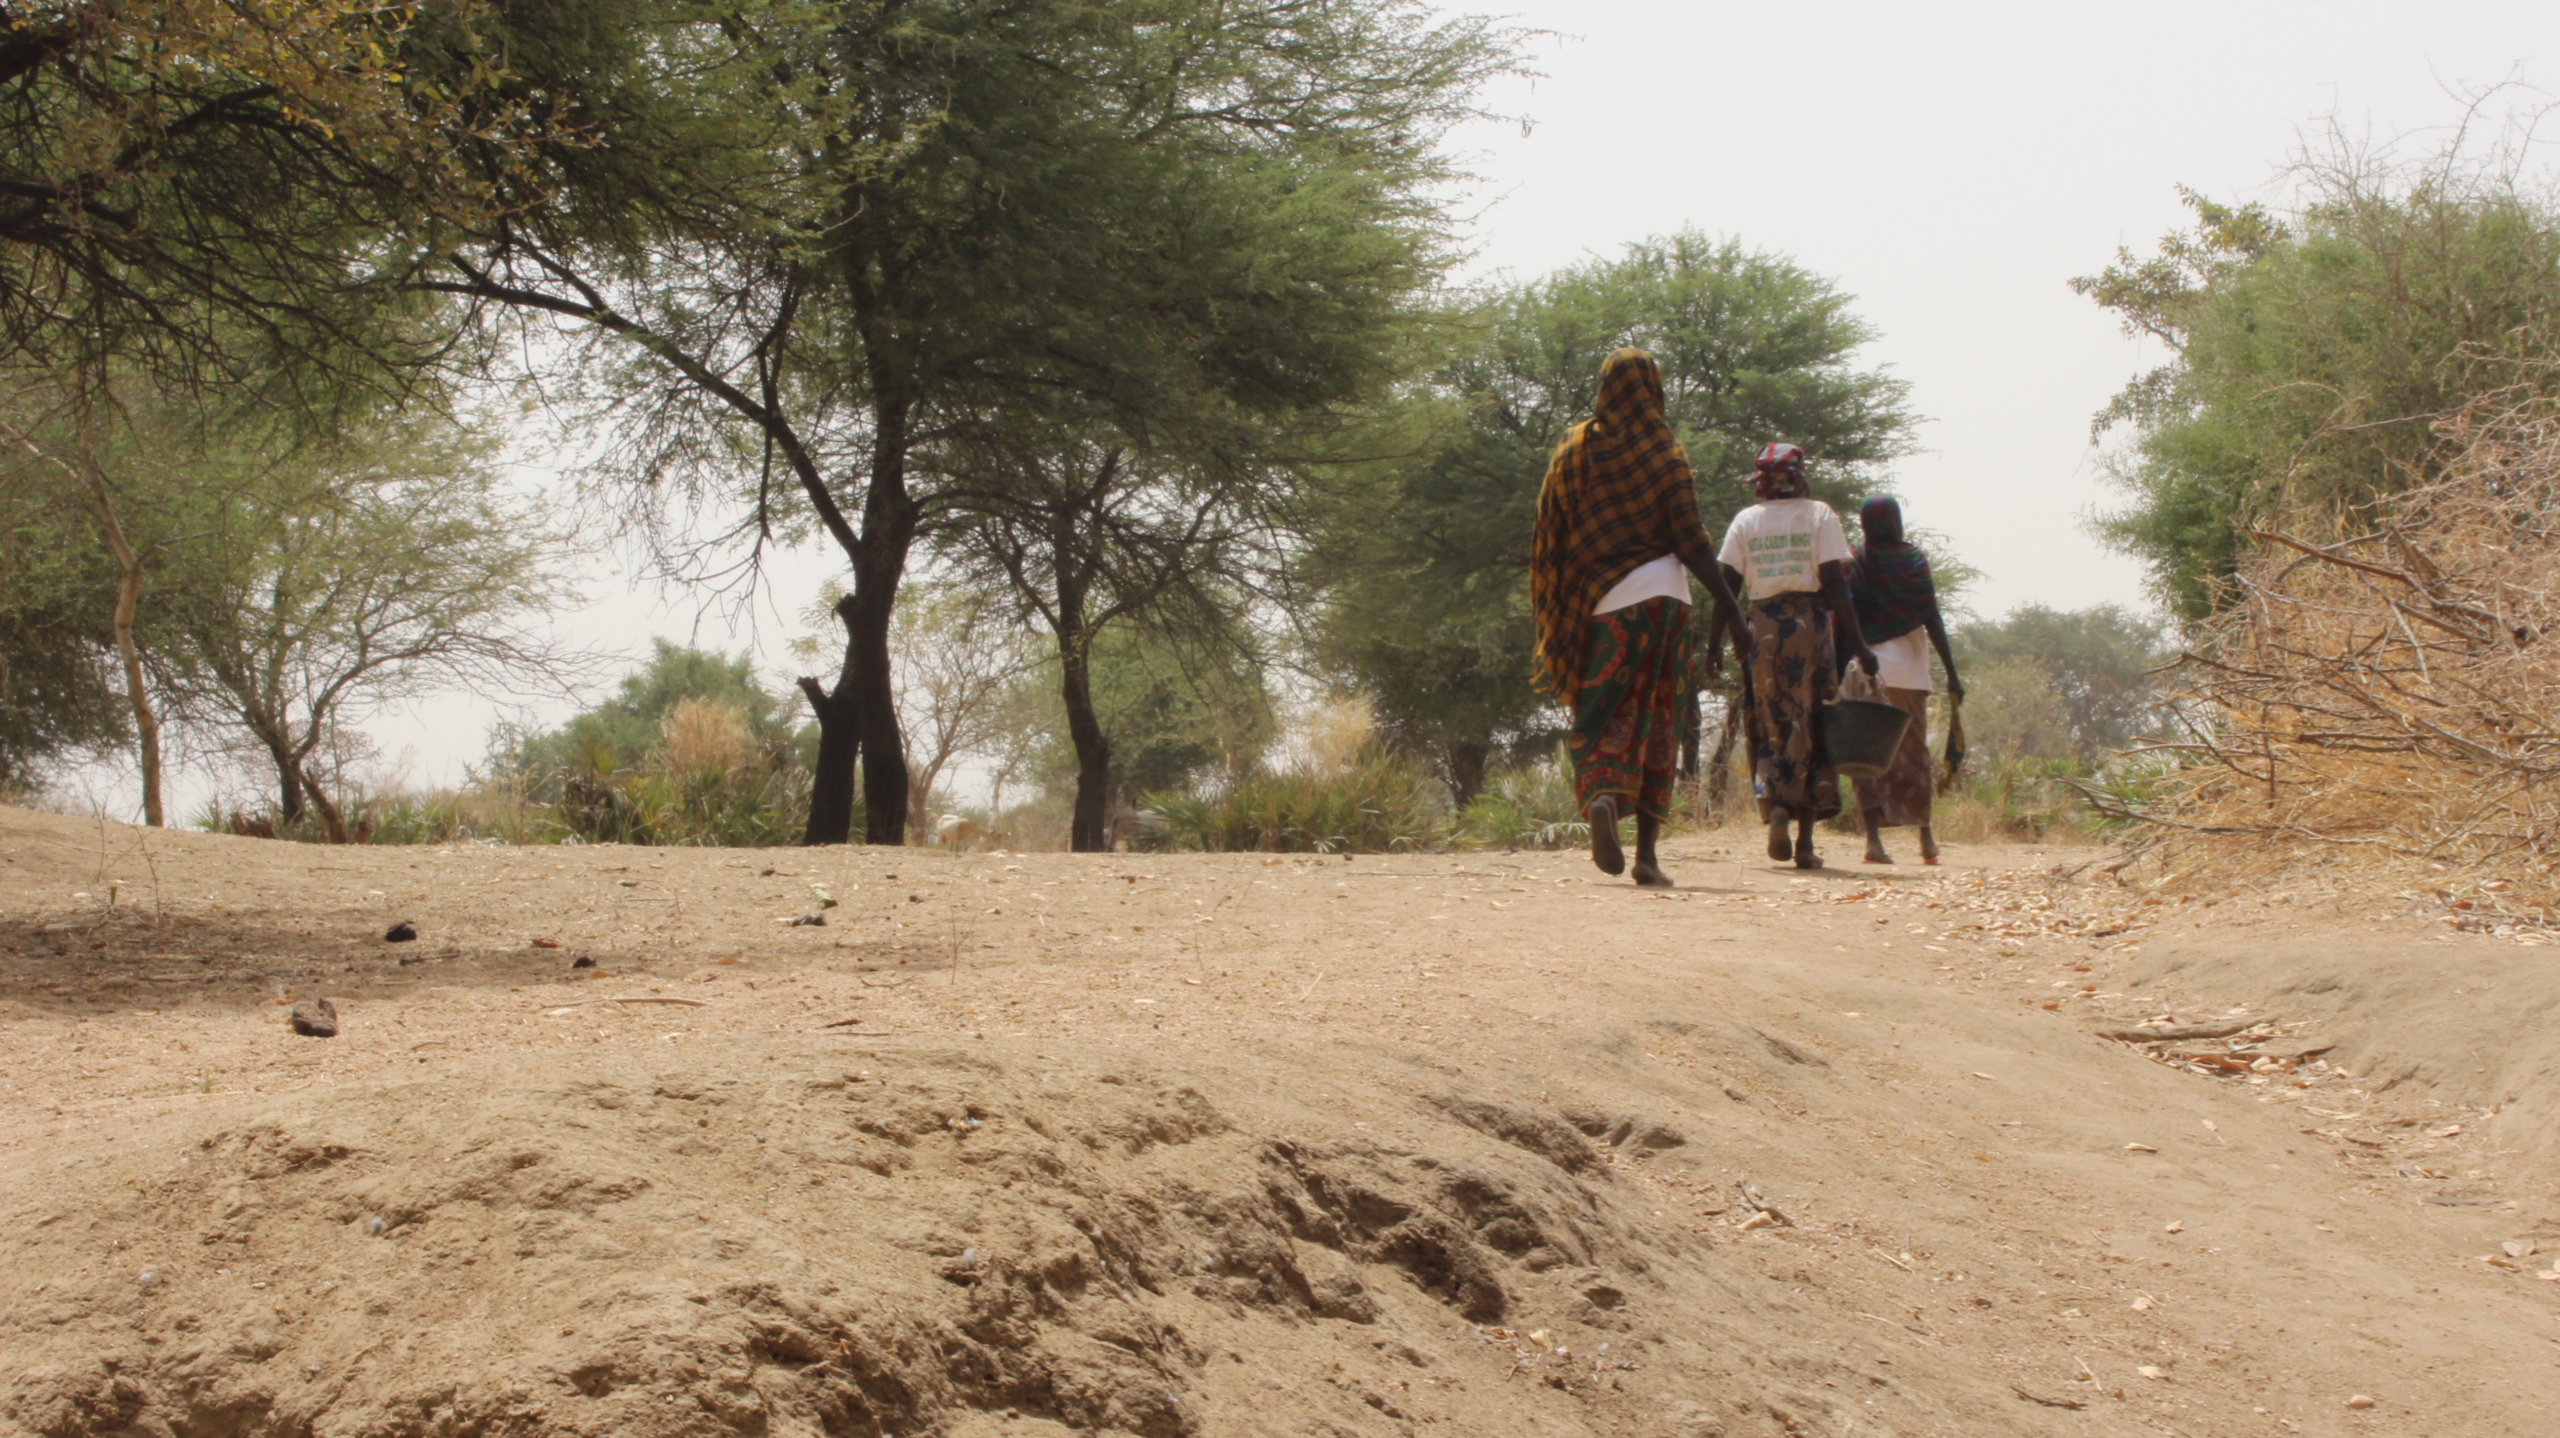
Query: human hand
point(1955, 687)
point(1744, 648)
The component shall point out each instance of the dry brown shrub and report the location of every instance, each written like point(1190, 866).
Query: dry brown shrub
point(704, 739)
point(2379, 706)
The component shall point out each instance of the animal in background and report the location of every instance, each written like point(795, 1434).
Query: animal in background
point(958, 834)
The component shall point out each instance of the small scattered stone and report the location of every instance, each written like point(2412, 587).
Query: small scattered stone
point(1735, 1094)
point(315, 1019)
point(149, 1278)
point(401, 933)
point(375, 1225)
point(2361, 1400)
point(582, 961)
point(810, 921)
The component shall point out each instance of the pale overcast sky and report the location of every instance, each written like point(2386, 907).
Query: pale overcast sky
point(1951, 166)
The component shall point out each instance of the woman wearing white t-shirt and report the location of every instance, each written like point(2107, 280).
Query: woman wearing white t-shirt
point(1786, 557)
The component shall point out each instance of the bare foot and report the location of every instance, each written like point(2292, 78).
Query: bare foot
point(1605, 852)
point(1781, 848)
point(1806, 858)
point(1928, 846)
point(1649, 875)
point(1876, 853)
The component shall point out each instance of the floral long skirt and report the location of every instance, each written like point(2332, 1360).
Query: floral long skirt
point(1626, 710)
point(1792, 677)
point(1899, 797)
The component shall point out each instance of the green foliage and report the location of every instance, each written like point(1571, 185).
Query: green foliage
point(1384, 803)
point(809, 238)
point(297, 582)
point(58, 698)
point(744, 807)
point(2315, 351)
point(1526, 806)
point(192, 181)
point(2008, 799)
point(1178, 715)
point(2076, 684)
point(1425, 554)
point(690, 749)
point(615, 736)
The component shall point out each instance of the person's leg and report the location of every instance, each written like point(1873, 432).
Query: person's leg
point(1603, 815)
point(1806, 858)
point(1781, 847)
point(1602, 731)
point(1648, 870)
point(1875, 837)
point(1928, 846)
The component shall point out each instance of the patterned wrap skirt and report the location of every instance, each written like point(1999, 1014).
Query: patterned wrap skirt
point(1626, 711)
point(1900, 795)
point(1792, 677)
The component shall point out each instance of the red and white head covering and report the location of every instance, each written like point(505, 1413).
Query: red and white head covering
point(1783, 464)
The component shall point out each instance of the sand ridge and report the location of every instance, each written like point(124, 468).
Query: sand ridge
point(1186, 1144)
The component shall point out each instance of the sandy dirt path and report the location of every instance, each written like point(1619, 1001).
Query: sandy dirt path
point(1240, 1144)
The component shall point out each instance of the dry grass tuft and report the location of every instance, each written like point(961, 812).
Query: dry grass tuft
point(703, 739)
point(2378, 710)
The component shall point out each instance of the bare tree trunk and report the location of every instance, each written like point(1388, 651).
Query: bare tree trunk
point(288, 791)
point(839, 747)
point(875, 704)
point(1090, 832)
point(146, 721)
point(1467, 760)
point(333, 824)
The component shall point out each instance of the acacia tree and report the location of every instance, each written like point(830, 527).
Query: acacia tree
point(308, 585)
point(187, 186)
point(959, 659)
point(58, 587)
point(1424, 552)
point(2314, 350)
point(957, 662)
point(73, 461)
point(817, 232)
point(1085, 535)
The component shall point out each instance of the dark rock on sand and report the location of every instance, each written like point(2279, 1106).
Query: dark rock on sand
point(316, 1019)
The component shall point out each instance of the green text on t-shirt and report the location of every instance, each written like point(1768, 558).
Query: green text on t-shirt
point(1781, 556)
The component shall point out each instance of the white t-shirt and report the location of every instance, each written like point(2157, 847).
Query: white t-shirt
point(1780, 546)
point(1903, 662)
point(1663, 578)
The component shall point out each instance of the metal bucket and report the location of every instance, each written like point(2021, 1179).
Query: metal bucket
point(1862, 736)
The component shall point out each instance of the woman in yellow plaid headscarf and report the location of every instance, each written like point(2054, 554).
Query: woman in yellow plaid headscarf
point(1618, 537)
